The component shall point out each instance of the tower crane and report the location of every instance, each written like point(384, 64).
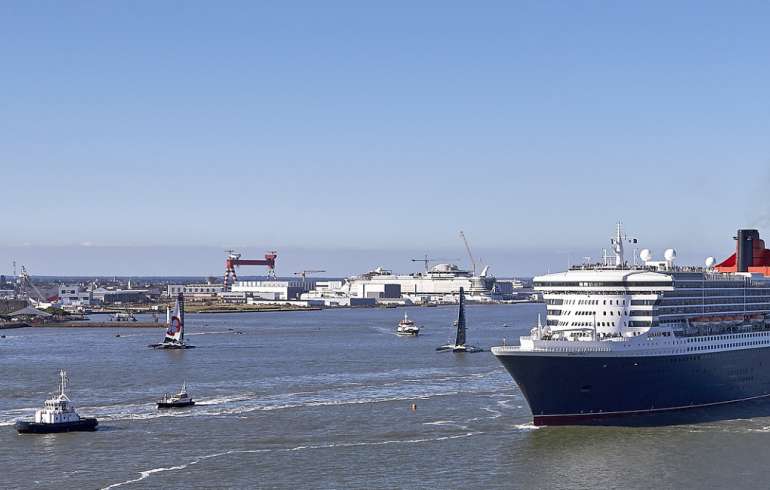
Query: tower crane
point(234, 260)
point(468, 248)
point(304, 273)
point(428, 260)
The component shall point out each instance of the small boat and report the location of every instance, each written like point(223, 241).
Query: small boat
point(180, 400)
point(460, 345)
point(59, 415)
point(407, 327)
point(174, 338)
point(124, 317)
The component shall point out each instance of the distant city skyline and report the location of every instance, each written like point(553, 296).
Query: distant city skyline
point(348, 136)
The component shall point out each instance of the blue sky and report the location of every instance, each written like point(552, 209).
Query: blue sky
point(336, 128)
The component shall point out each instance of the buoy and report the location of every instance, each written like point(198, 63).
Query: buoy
point(414, 407)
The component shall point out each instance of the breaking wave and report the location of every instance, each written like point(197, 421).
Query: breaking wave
point(143, 475)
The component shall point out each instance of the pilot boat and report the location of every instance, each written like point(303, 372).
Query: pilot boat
point(59, 415)
point(181, 399)
point(407, 327)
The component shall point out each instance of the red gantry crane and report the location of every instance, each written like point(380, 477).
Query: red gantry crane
point(234, 260)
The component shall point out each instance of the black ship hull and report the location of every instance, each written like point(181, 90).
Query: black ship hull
point(171, 346)
point(176, 404)
point(588, 389)
point(82, 425)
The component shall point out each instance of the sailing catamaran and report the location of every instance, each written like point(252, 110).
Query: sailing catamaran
point(459, 345)
point(174, 338)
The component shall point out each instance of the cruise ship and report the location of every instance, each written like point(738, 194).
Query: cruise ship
point(624, 339)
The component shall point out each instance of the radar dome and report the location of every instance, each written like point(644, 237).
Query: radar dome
point(669, 254)
point(645, 255)
point(710, 261)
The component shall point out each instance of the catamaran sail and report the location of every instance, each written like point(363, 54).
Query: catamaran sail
point(459, 345)
point(174, 338)
point(175, 330)
point(460, 339)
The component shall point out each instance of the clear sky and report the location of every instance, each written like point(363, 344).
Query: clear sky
point(347, 129)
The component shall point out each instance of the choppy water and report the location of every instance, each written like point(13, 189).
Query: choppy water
point(322, 400)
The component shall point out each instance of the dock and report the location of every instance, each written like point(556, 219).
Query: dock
point(93, 324)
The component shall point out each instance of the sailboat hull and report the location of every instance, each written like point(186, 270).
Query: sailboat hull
point(459, 348)
point(171, 346)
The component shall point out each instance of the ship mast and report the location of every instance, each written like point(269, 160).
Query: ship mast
point(617, 245)
point(63, 383)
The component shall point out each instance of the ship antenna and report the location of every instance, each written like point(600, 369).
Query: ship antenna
point(63, 376)
point(539, 326)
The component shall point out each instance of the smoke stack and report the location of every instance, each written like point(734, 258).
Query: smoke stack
point(745, 249)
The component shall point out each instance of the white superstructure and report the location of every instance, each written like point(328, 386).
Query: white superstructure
point(615, 306)
point(58, 409)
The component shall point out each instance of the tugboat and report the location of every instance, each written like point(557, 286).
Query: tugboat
point(174, 338)
point(407, 327)
point(459, 345)
point(59, 415)
point(181, 399)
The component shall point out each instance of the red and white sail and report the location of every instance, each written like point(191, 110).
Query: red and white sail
point(175, 330)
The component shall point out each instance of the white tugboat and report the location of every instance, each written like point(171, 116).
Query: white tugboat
point(181, 399)
point(174, 338)
point(59, 415)
point(407, 327)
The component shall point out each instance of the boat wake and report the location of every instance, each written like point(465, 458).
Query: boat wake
point(365, 388)
point(143, 475)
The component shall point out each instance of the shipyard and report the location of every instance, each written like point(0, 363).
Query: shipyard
point(100, 301)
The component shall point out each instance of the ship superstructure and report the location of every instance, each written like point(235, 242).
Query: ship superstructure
point(622, 339)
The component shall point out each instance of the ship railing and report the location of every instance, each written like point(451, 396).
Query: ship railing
point(567, 349)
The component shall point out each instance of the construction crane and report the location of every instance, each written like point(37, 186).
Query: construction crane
point(25, 284)
point(304, 273)
point(428, 260)
point(234, 260)
point(468, 248)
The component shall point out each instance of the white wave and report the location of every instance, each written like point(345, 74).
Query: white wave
point(496, 414)
point(143, 475)
point(528, 426)
point(226, 399)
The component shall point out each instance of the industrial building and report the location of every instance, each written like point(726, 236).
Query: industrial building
point(194, 292)
point(75, 295)
point(269, 290)
point(115, 296)
point(440, 283)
